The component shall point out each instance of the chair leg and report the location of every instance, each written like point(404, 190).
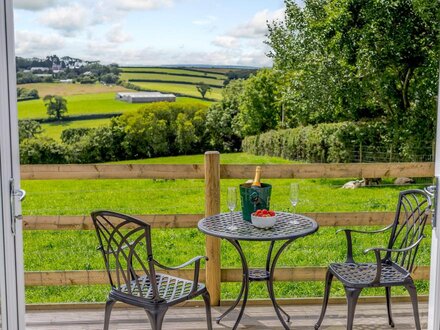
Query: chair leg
point(390, 314)
point(156, 317)
point(207, 299)
point(328, 284)
point(352, 295)
point(108, 309)
point(413, 293)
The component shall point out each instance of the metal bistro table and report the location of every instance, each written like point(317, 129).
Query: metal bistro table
point(287, 228)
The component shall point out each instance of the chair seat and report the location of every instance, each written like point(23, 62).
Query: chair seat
point(171, 289)
point(361, 274)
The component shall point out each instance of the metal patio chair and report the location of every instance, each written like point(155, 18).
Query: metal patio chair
point(125, 243)
point(393, 264)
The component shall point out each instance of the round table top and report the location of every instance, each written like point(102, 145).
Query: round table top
point(217, 225)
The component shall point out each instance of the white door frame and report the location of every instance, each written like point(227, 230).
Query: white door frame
point(434, 289)
point(11, 243)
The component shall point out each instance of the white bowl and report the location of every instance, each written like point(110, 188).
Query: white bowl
point(263, 222)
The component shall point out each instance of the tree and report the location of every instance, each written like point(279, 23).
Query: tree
point(185, 134)
point(28, 129)
point(56, 106)
point(223, 131)
point(360, 59)
point(259, 109)
point(203, 88)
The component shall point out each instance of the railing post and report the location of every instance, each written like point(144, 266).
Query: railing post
point(212, 206)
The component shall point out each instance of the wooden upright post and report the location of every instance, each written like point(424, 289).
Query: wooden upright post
point(212, 206)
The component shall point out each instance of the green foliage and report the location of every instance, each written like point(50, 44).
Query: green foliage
point(42, 150)
point(28, 129)
point(109, 78)
point(221, 126)
point(27, 77)
point(352, 59)
point(102, 144)
point(72, 135)
point(26, 94)
point(163, 128)
point(203, 88)
point(321, 143)
point(259, 111)
point(185, 133)
point(86, 79)
point(56, 106)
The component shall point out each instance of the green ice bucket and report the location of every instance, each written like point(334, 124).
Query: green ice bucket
point(254, 198)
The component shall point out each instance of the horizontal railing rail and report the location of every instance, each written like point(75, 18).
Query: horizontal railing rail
point(83, 222)
point(196, 171)
point(96, 277)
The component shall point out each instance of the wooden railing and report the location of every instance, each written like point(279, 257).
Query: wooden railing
point(212, 172)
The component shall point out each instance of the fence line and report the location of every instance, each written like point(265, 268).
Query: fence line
point(212, 172)
point(82, 222)
point(196, 171)
point(96, 277)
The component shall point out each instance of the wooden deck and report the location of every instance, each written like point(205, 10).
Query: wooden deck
point(368, 317)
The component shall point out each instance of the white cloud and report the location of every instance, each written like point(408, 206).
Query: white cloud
point(68, 19)
point(117, 35)
point(205, 21)
point(150, 55)
point(226, 42)
point(33, 4)
point(141, 4)
point(29, 44)
point(257, 26)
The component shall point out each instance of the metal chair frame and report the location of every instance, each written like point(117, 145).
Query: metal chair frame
point(125, 243)
point(393, 265)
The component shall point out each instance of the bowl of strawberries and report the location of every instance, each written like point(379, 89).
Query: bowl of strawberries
point(263, 218)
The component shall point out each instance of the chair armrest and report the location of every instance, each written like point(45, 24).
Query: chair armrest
point(189, 262)
point(195, 261)
point(381, 249)
point(348, 232)
point(378, 250)
point(366, 231)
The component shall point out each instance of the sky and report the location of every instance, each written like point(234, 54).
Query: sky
point(147, 32)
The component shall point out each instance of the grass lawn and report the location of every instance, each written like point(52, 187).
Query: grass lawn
point(190, 90)
point(233, 158)
point(171, 71)
point(76, 250)
point(166, 77)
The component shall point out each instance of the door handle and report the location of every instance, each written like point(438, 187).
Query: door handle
point(433, 191)
point(21, 194)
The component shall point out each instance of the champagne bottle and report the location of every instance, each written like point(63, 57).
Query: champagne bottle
point(256, 182)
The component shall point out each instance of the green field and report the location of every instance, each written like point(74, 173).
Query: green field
point(233, 158)
point(170, 71)
point(165, 78)
point(46, 250)
point(78, 105)
point(54, 129)
point(84, 104)
point(215, 93)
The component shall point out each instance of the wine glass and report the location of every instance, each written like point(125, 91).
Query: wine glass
point(294, 198)
point(232, 204)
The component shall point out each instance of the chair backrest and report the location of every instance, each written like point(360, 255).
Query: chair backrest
point(125, 243)
point(413, 209)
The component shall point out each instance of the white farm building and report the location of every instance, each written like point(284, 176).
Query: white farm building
point(145, 97)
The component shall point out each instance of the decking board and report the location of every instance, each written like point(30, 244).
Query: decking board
point(368, 317)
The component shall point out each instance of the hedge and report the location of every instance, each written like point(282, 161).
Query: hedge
point(325, 143)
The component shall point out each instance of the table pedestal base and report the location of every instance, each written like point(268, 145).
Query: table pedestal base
point(258, 275)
